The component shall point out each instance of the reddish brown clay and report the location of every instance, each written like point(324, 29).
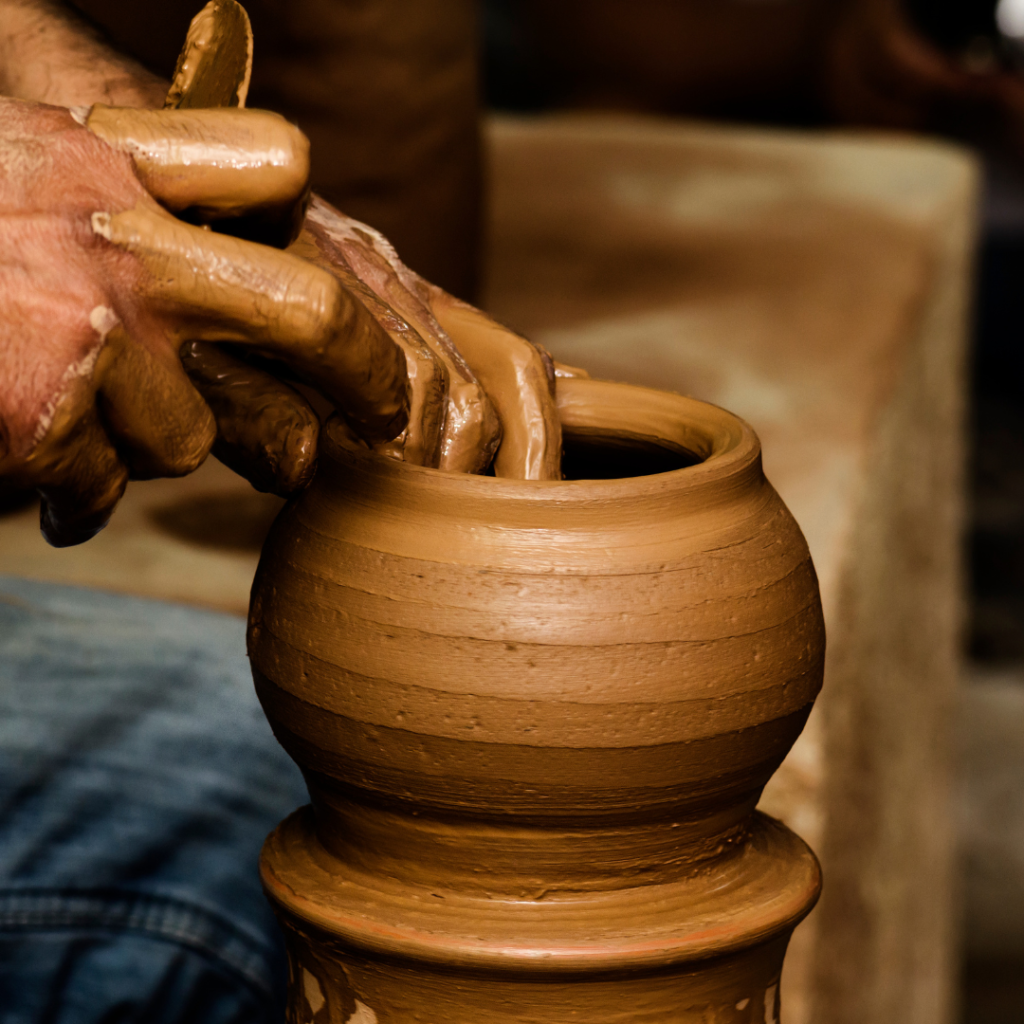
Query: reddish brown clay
point(535, 719)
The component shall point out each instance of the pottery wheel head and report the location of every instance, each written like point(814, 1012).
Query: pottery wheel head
point(215, 64)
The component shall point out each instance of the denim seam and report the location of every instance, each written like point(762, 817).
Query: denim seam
point(162, 917)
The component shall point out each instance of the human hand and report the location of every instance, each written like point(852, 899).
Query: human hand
point(479, 393)
point(101, 287)
point(481, 396)
point(483, 400)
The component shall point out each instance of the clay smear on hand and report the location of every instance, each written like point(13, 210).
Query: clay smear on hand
point(217, 288)
point(457, 421)
point(516, 378)
point(266, 431)
point(452, 424)
point(216, 163)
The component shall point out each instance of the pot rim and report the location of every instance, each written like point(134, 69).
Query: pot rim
point(592, 409)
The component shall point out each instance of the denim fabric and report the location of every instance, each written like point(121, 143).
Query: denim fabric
point(138, 780)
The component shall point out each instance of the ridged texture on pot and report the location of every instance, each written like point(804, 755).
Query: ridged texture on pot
point(578, 679)
point(333, 982)
point(535, 719)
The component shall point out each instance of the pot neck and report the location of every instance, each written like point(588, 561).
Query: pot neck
point(521, 858)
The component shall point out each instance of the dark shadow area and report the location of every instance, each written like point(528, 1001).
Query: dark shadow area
point(954, 24)
point(992, 982)
point(14, 499)
point(993, 992)
point(996, 453)
point(236, 521)
point(614, 459)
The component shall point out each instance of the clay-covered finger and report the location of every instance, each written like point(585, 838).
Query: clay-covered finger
point(429, 379)
point(214, 287)
point(472, 430)
point(76, 470)
point(213, 164)
point(266, 431)
point(75, 508)
point(516, 378)
point(155, 418)
point(452, 424)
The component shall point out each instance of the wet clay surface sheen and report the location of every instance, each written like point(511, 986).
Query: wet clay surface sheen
point(535, 718)
point(191, 160)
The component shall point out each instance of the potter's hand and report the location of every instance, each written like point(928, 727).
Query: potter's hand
point(100, 288)
point(480, 394)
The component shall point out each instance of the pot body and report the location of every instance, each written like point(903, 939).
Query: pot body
point(535, 720)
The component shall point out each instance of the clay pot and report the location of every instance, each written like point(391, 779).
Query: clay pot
point(535, 720)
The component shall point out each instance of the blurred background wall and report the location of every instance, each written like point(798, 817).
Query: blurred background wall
point(950, 68)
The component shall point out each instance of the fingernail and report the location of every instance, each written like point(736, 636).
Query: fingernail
point(101, 225)
point(81, 114)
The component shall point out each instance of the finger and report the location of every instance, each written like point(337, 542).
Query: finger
point(452, 424)
point(78, 504)
point(215, 64)
point(266, 431)
point(76, 470)
point(515, 377)
point(429, 378)
point(156, 419)
point(217, 288)
point(213, 164)
point(472, 430)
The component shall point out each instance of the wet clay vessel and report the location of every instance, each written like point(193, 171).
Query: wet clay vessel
point(535, 719)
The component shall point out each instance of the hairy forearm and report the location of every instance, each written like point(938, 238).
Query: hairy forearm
point(48, 54)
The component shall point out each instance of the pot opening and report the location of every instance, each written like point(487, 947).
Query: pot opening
point(615, 458)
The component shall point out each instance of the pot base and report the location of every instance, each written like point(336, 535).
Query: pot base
point(707, 947)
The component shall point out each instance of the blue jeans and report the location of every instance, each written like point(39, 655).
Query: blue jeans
point(138, 780)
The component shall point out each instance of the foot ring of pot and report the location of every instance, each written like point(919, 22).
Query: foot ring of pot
point(743, 900)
